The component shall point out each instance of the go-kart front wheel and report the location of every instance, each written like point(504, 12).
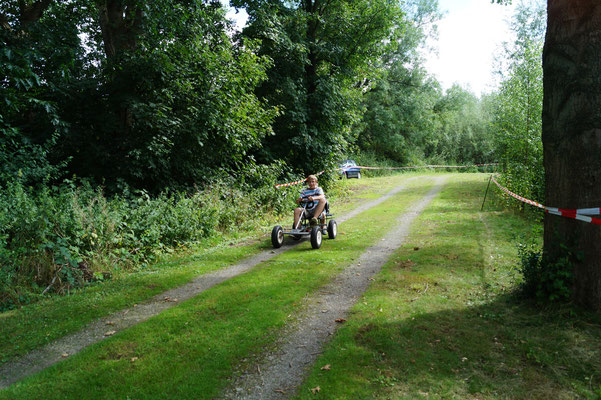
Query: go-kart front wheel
point(277, 236)
point(316, 237)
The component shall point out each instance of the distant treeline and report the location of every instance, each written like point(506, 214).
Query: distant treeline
point(166, 95)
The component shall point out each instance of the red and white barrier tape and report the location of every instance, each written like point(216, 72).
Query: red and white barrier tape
point(581, 211)
point(296, 182)
point(575, 213)
point(425, 166)
point(391, 168)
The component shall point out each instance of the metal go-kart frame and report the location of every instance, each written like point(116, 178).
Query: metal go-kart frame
point(325, 225)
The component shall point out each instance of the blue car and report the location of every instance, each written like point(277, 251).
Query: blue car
point(349, 169)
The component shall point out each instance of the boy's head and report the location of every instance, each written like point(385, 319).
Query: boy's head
point(312, 181)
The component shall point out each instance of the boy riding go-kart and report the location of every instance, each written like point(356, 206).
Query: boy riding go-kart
point(311, 219)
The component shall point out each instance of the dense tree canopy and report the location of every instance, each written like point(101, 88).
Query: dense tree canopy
point(325, 55)
point(148, 93)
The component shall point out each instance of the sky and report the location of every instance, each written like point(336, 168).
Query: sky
point(469, 34)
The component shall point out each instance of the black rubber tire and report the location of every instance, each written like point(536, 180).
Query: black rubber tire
point(316, 237)
point(277, 236)
point(332, 229)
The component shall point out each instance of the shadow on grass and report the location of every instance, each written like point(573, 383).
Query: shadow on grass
point(501, 349)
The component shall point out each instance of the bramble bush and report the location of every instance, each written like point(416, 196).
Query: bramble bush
point(58, 238)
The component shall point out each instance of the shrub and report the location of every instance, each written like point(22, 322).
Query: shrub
point(547, 277)
point(64, 237)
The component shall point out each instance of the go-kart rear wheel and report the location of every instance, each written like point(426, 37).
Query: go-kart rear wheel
point(316, 237)
point(332, 229)
point(277, 236)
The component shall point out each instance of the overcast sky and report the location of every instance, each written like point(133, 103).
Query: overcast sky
point(468, 36)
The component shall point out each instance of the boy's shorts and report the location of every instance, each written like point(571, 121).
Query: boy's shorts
point(308, 213)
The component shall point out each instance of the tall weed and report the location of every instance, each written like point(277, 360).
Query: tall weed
point(59, 238)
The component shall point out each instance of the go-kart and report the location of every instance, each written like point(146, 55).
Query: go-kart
point(325, 225)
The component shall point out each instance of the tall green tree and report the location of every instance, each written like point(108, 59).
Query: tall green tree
point(32, 56)
point(518, 105)
point(400, 121)
point(399, 115)
point(152, 94)
point(464, 135)
point(175, 91)
point(324, 55)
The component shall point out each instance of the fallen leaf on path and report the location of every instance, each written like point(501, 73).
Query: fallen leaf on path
point(110, 323)
point(65, 355)
point(340, 320)
point(326, 367)
point(315, 390)
point(110, 333)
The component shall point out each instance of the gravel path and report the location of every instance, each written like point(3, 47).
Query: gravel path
point(279, 375)
point(44, 357)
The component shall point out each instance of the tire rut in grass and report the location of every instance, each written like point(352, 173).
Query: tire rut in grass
point(283, 370)
point(44, 357)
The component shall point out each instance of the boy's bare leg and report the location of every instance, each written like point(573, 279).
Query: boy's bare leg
point(297, 214)
point(319, 208)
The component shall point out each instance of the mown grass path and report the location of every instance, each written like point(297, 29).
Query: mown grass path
point(99, 328)
point(282, 371)
point(443, 320)
point(439, 321)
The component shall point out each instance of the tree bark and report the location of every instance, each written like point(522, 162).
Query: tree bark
point(120, 22)
point(32, 12)
point(572, 136)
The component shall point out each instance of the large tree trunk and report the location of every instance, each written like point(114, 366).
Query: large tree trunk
point(32, 12)
point(572, 135)
point(120, 22)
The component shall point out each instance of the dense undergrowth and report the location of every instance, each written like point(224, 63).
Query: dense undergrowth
point(54, 239)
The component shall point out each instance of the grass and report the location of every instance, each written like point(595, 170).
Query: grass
point(187, 351)
point(442, 319)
